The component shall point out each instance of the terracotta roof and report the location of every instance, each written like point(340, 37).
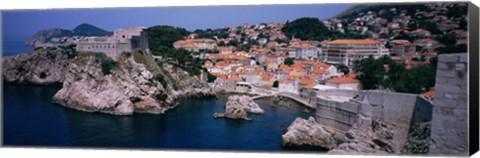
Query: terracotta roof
point(344, 79)
point(301, 46)
point(354, 41)
point(306, 81)
point(235, 78)
point(430, 93)
point(221, 63)
point(266, 78)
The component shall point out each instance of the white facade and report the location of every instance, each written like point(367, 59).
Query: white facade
point(288, 86)
point(348, 86)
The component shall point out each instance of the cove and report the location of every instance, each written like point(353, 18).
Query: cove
point(30, 119)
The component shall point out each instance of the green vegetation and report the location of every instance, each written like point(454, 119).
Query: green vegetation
point(183, 59)
point(307, 29)
point(462, 48)
point(162, 36)
point(106, 62)
point(160, 78)
point(289, 61)
point(51, 55)
point(275, 83)
point(107, 65)
point(209, 33)
point(370, 72)
point(69, 50)
point(373, 75)
point(210, 77)
point(314, 29)
point(343, 69)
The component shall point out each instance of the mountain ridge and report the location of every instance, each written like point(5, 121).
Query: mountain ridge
point(84, 29)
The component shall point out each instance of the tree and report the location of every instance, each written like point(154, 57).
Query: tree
point(221, 43)
point(275, 83)
point(289, 61)
point(307, 29)
point(343, 69)
point(370, 72)
point(462, 48)
point(210, 77)
point(163, 36)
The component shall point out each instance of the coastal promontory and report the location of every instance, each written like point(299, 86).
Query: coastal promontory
point(94, 82)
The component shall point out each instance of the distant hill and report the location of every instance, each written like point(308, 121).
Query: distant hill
point(44, 36)
point(89, 30)
point(354, 10)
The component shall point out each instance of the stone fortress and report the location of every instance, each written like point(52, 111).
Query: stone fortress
point(447, 112)
point(122, 40)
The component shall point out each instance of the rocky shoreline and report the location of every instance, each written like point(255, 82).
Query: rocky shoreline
point(238, 106)
point(308, 132)
point(92, 82)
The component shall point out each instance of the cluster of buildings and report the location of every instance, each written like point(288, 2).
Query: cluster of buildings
point(268, 71)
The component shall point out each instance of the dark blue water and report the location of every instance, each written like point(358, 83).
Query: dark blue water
point(14, 48)
point(30, 119)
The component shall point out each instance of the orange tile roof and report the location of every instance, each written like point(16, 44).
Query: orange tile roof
point(344, 79)
point(223, 77)
point(354, 41)
point(307, 81)
point(221, 63)
point(430, 93)
point(283, 66)
point(235, 78)
point(266, 78)
point(301, 46)
point(396, 58)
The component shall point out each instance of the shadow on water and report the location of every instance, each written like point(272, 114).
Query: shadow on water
point(31, 119)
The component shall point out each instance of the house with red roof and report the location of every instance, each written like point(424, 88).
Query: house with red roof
point(345, 82)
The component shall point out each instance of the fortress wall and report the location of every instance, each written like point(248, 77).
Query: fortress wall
point(397, 109)
point(337, 115)
point(449, 132)
point(394, 108)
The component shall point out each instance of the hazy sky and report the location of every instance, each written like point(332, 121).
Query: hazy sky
point(19, 25)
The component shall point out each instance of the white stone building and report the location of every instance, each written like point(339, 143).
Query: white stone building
point(289, 86)
point(346, 51)
point(122, 40)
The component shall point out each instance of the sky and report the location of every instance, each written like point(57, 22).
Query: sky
point(19, 25)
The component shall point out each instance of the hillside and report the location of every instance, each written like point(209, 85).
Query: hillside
point(89, 30)
point(45, 36)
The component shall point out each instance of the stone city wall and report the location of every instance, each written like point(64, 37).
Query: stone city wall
point(449, 134)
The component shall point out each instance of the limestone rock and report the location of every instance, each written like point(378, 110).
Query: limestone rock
point(187, 85)
point(238, 106)
point(128, 88)
point(308, 132)
point(367, 136)
point(418, 139)
point(45, 67)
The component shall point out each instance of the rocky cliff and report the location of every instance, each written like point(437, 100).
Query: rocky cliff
point(95, 83)
point(368, 136)
point(308, 132)
point(238, 106)
point(44, 66)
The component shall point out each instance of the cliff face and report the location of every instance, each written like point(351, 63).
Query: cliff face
point(93, 82)
point(44, 36)
point(308, 132)
point(368, 136)
point(128, 87)
point(46, 66)
point(187, 86)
